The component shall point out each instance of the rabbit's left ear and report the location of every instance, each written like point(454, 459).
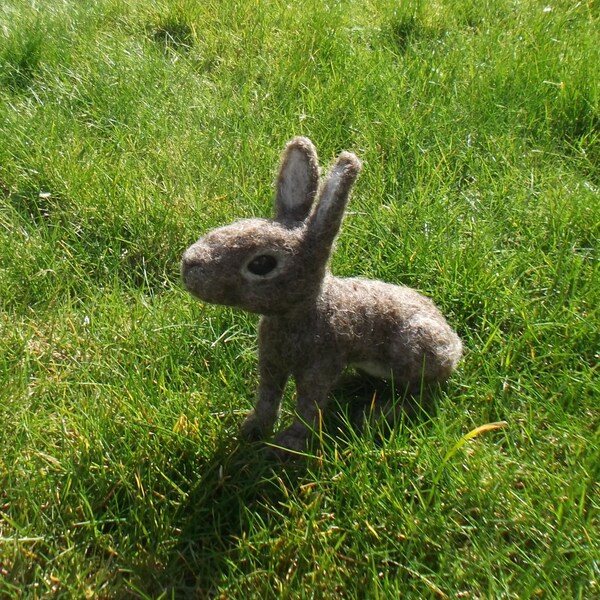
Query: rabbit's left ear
point(297, 183)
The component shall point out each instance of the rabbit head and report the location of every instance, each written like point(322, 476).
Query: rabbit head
point(271, 266)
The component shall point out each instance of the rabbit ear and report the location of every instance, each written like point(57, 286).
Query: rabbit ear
point(297, 183)
point(326, 219)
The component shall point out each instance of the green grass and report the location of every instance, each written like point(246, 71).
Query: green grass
point(128, 129)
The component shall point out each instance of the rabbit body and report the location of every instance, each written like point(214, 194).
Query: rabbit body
point(315, 324)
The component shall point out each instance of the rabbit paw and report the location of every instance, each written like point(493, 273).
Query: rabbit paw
point(289, 443)
point(253, 428)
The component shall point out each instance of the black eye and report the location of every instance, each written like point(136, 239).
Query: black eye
point(262, 265)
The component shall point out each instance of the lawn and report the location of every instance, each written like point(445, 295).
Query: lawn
point(127, 129)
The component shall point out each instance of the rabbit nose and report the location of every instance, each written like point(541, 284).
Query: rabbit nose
point(191, 265)
point(187, 259)
point(192, 257)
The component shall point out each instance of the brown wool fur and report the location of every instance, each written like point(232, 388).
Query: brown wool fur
point(315, 324)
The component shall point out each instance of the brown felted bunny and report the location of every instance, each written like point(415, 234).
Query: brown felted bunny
point(315, 324)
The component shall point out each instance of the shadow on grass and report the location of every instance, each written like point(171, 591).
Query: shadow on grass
point(360, 400)
point(231, 498)
point(242, 485)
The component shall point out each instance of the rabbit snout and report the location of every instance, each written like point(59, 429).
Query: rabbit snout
point(194, 269)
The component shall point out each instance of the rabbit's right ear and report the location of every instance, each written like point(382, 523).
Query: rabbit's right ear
point(297, 183)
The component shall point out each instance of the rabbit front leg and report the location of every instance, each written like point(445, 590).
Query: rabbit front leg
point(272, 380)
point(312, 387)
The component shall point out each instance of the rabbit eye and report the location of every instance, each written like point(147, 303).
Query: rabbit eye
point(262, 264)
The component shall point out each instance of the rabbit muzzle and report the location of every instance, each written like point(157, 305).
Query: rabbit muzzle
point(196, 272)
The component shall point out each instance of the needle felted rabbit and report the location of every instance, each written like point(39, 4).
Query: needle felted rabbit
point(315, 324)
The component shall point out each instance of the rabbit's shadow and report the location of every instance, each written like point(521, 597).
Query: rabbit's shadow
point(360, 401)
point(232, 495)
point(242, 482)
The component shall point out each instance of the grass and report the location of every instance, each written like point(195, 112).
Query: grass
point(128, 129)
